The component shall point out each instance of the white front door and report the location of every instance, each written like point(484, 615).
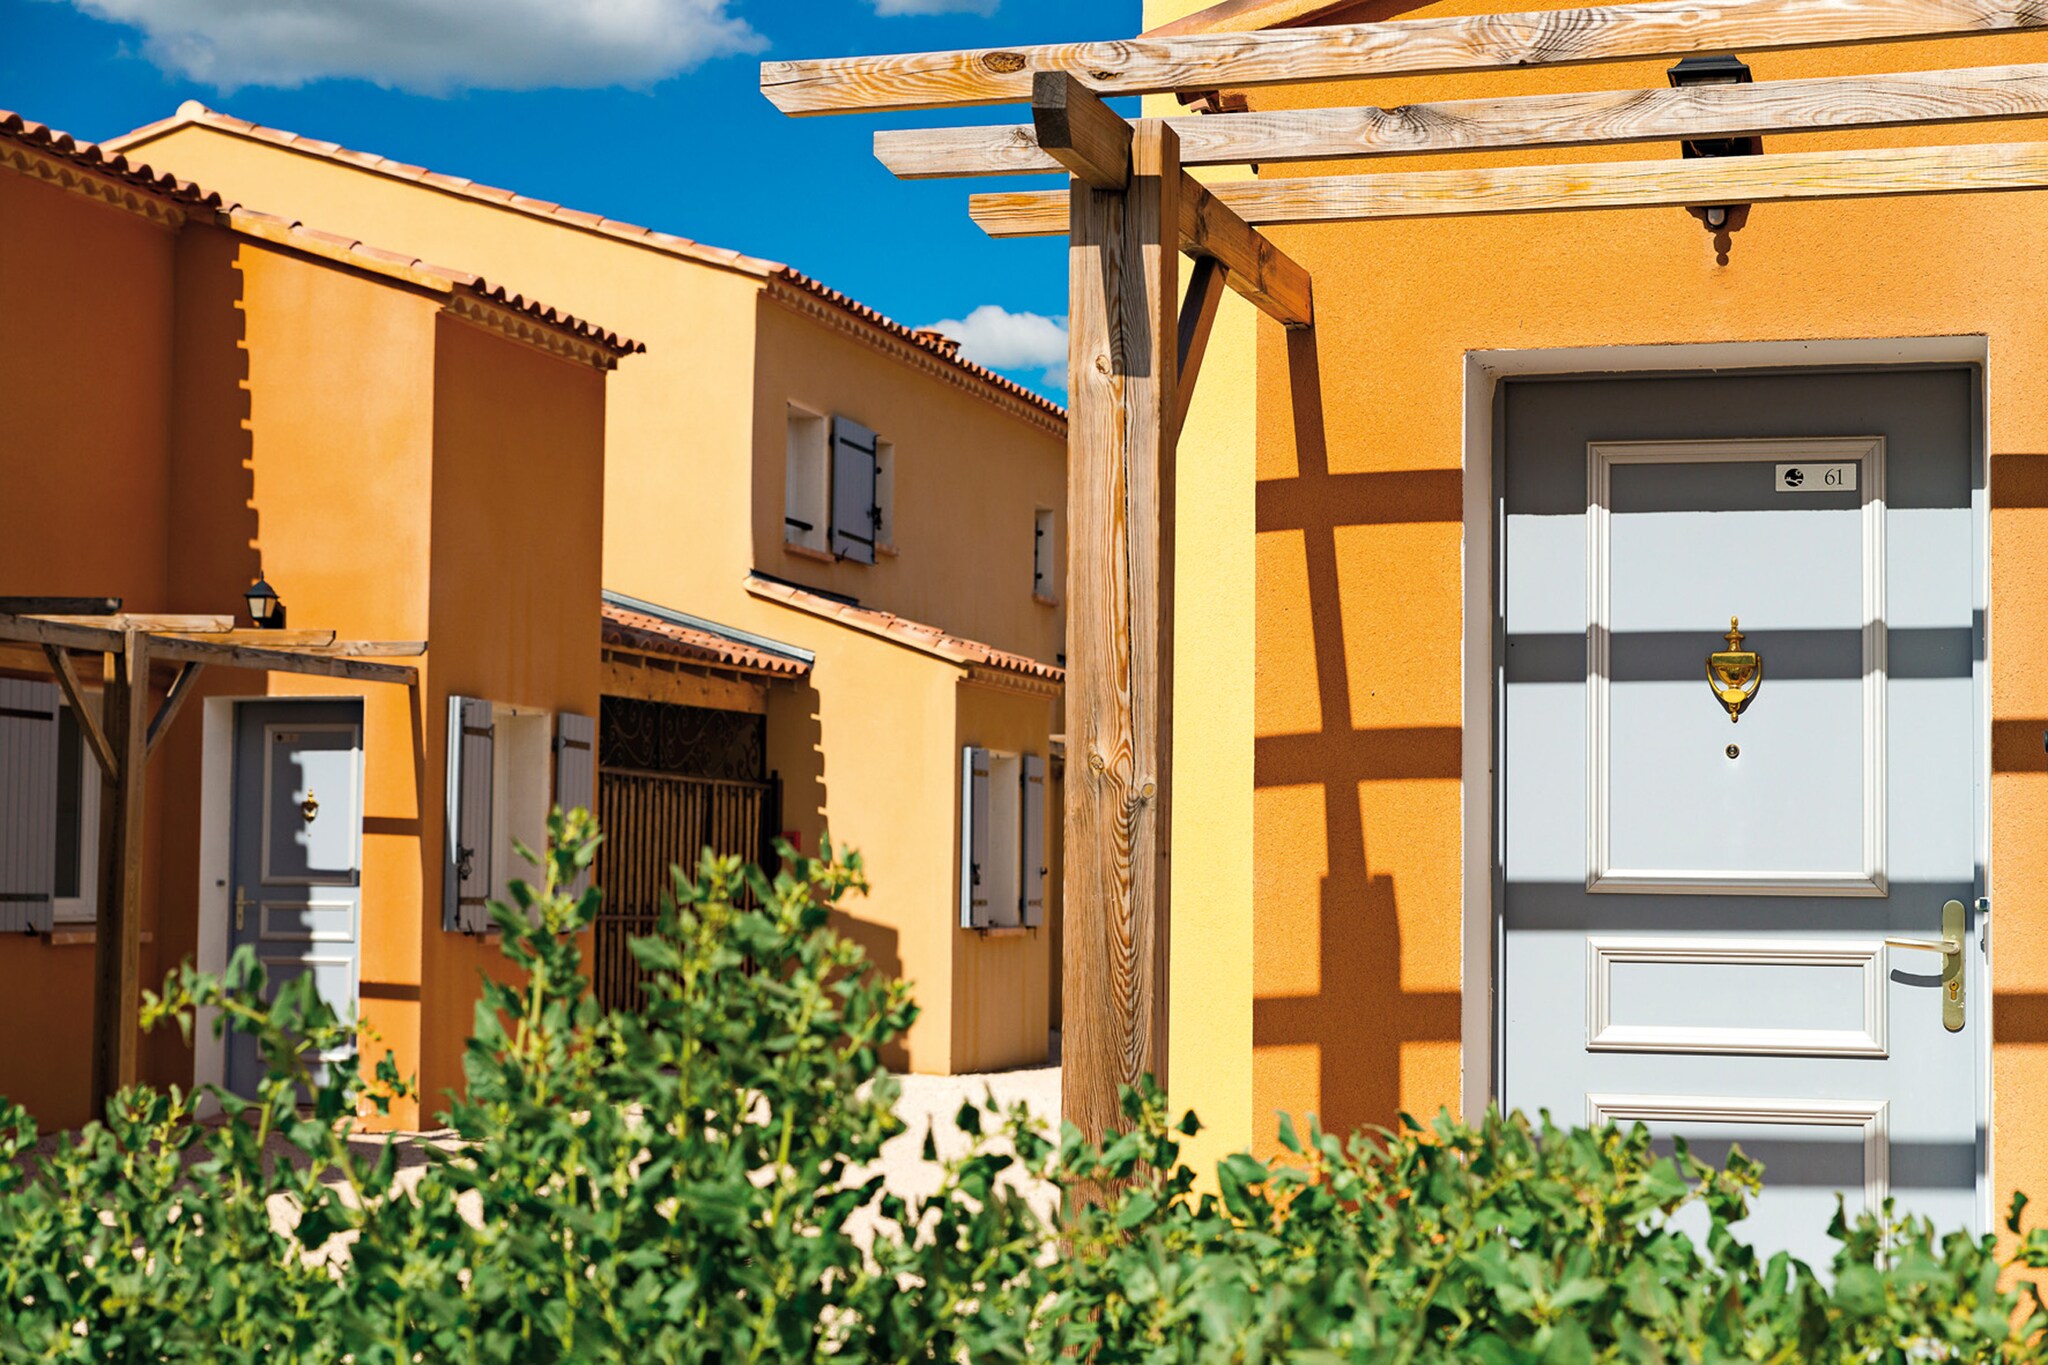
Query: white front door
point(1703, 858)
point(298, 843)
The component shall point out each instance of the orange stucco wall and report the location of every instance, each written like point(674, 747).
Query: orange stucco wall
point(694, 455)
point(396, 473)
point(1357, 723)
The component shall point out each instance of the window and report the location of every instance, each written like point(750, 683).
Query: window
point(78, 821)
point(1044, 567)
point(507, 765)
point(885, 496)
point(1002, 840)
point(806, 477)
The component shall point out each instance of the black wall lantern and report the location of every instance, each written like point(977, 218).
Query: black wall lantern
point(266, 608)
point(1725, 69)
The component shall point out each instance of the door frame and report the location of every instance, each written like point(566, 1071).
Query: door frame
point(216, 858)
point(1484, 457)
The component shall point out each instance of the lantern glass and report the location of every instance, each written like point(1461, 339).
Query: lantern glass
point(265, 608)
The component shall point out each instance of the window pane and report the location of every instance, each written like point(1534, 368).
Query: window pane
point(70, 775)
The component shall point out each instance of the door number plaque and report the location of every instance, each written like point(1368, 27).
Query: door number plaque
point(1817, 478)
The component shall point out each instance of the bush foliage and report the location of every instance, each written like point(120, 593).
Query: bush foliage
point(698, 1181)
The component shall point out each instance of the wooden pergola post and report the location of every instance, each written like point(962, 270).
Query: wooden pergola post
point(117, 946)
point(1123, 266)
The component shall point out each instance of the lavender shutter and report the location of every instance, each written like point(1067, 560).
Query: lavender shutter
point(855, 513)
point(974, 842)
point(28, 805)
point(576, 770)
point(1031, 889)
point(466, 876)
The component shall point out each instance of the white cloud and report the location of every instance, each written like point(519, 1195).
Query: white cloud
point(890, 9)
point(994, 336)
point(431, 46)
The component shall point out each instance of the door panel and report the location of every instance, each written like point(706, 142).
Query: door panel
point(297, 854)
point(1693, 909)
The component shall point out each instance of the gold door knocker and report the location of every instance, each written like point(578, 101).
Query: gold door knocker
point(1736, 674)
point(309, 807)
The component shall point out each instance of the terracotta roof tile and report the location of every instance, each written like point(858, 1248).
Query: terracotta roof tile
point(625, 628)
point(271, 227)
point(44, 138)
point(192, 112)
point(914, 634)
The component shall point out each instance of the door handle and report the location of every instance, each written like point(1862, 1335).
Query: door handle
point(1950, 946)
point(241, 909)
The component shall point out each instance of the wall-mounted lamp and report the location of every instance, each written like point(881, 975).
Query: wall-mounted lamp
point(266, 608)
point(1725, 69)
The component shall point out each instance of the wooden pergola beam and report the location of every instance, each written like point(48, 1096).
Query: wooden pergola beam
point(1262, 272)
point(1579, 118)
point(1773, 178)
point(74, 695)
point(1123, 266)
point(174, 702)
point(1076, 131)
point(1208, 61)
point(1246, 16)
point(1093, 142)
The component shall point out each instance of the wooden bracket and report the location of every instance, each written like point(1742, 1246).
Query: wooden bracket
point(1079, 131)
point(74, 693)
point(1197, 317)
point(1258, 270)
point(174, 701)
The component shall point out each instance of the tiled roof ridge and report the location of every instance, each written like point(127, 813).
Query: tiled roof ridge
point(944, 348)
point(625, 628)
point(272, 227)
point(914, 634)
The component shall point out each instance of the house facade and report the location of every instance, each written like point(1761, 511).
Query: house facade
point(807, 480)
point(197, 396)
point(1498, 804)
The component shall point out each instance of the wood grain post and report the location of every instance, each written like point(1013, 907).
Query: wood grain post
point(117, 947)
point(1123, 264)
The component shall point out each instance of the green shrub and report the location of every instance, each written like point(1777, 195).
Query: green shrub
point(680, 1184)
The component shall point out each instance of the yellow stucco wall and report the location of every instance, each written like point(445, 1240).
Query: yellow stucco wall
point(695, 451)
point(388, 468)
point(1357, 727)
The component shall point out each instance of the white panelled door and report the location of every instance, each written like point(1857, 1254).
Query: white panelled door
point(1740, 750)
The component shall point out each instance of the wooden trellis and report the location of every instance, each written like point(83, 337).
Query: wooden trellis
point(122, 740)
point(1130, 211)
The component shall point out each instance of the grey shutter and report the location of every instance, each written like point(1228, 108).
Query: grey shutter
point(466, 876)
point(974, 846)
point(855, 514)
point(576, 770)
point(1031, 890)
point(28, 805)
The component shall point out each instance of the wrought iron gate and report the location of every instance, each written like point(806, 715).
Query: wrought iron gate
point(652, 821)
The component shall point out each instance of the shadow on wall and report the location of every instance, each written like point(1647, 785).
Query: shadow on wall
point(214, 553)
point(1359, 1018)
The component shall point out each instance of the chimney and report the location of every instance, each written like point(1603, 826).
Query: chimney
point(938, 341)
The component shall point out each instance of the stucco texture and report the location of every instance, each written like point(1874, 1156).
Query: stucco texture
point(1355, 839)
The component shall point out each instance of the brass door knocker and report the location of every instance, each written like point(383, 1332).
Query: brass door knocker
point(309, 807)
point(1736, 674)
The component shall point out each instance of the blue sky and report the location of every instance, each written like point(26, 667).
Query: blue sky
point(644, 110)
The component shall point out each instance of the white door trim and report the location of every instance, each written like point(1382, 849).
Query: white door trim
point(1483, 373)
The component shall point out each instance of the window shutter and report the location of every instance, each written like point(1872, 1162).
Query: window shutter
point(855, 514)
point(28, 805)
point(1031, 878)
point(466, 876)
point(974, 845)
point(576, 771)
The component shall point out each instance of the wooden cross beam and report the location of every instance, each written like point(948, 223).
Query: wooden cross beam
point(1209, 61)
point(1091, 140)
point(1773, 178)
point(1579, 118)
